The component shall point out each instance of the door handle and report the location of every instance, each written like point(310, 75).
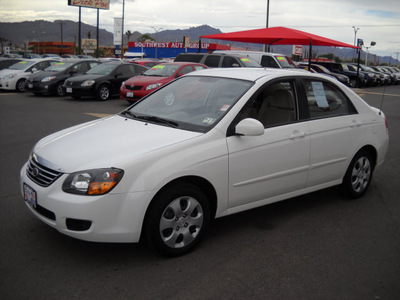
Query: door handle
point(297, 134)
point(355, 123)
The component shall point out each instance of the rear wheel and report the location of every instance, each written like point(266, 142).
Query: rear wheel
point(177, 219)
point(103, 93)
point(359, 175)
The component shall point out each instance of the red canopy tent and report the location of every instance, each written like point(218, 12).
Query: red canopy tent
point(278, 36)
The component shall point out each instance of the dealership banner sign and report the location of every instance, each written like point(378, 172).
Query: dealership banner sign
point(167, 45)
point(101, 4)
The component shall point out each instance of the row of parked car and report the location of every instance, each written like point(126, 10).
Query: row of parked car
point(134, 79)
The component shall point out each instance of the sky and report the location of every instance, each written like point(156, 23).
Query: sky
point(373, 20)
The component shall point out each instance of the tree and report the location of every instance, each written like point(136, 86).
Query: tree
point(145, 37)
point(128, 34)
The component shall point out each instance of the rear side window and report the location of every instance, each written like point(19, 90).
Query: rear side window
point(212, 61)
point(325, 100)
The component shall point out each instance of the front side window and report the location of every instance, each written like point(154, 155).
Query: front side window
point(325, 100)
point(273, 105)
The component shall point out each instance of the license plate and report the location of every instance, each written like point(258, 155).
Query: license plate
point(69, 90)
point(129, 94)
point(30, 86)
point(30, 195)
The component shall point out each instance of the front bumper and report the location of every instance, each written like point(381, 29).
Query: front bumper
point(113, 217)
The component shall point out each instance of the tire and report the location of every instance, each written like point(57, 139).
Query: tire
point(353, 83)
point(20, 86)
point(103, 93)
point(60, 92)
point(358, 175)
point(177, 219)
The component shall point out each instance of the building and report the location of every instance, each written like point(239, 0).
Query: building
point(52, 47)
point(171, 49)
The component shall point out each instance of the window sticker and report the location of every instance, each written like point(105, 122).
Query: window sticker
point(245, 60)
point(158, 67)
point(224, 107)
point(209, 121)
point(319, 93)
point(281, 58)
point(22, 62)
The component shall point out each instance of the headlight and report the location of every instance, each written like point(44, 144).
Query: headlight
point(10, 76)
point(92, 182)
point(88, 83)
point(153, 86)
point(47, 79)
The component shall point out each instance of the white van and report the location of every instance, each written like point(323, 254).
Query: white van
point(265, 59)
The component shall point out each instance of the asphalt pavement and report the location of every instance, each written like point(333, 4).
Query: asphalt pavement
point(317, 246)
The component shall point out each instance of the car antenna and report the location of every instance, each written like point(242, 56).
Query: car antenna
point(383, 95)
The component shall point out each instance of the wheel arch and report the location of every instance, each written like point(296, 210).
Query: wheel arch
point(198, 181)
point(372, 151)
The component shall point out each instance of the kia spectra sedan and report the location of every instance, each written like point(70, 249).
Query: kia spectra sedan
point(209, 144)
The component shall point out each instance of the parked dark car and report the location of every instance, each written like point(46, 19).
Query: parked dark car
point(51, 80)
point(344, 70)
point(322, 70)
point(103, 81)
point(386, 77)
point(218, 60)
point(6, 62)
point(373, 78)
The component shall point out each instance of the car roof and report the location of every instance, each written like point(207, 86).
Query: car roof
point(251, 74)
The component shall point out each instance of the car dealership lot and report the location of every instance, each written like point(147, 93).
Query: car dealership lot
point(317, 246)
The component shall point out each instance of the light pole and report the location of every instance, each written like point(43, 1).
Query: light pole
point(366, 53)
point(156, 38)
point(266, 47)
point(355, 38)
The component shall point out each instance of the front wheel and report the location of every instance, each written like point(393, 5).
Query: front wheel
point(60, 92)
point(359, 175)
point(177, 219)
point(103, 93)
point(20, 86)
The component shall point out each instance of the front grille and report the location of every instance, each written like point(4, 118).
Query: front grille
point(133, 87)
point(40, 174)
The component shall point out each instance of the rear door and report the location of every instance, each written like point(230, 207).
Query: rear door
point(335, 127)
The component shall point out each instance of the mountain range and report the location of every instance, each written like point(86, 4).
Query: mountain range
point(20, 33)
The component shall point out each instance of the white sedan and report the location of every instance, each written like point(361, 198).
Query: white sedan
point(14, 77)
point(209, 144)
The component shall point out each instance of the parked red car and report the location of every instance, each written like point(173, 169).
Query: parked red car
point(139, 86)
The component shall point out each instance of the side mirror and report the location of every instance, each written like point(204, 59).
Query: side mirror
point(34, 70)
point(249, 127)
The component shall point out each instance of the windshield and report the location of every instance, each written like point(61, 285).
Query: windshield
point(166, 70)
point(22, 65)
point(102, 69)
point(285, 62)
point(59, 66)
point(195, 103)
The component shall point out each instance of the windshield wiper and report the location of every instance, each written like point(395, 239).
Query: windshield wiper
point(128, 113)
point(158, 120)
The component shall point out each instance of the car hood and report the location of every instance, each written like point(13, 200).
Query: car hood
point(85, 77)
point(6, 72)
point(146, 80)
point(42, 74)
point(107, 142)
